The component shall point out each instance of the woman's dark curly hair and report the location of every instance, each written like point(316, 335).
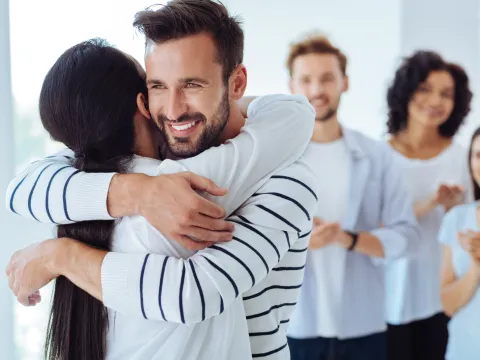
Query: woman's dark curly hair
point(415, 70)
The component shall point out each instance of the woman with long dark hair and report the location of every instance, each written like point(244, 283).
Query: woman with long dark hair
point(460, 237)
point(427, 102)
point(88, 102)
point(91, 102)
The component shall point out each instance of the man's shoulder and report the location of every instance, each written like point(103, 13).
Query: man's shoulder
point(367, 143)
point(300, 170)
point(295, 178)
point(287, 200)
point(375, 150)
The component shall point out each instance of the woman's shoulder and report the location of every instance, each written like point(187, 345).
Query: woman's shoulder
point(457, 149)
point(460, 212)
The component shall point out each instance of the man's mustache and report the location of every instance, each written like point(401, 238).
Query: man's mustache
point(162, 118)
point(321, 97)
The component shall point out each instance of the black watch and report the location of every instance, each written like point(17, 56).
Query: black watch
point(354, 240)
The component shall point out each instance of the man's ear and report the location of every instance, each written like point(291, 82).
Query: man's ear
point(142, 104)
point(238, 82)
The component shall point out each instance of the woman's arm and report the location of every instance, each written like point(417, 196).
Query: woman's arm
point(456, 293)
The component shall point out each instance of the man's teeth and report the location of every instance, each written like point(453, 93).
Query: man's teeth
point(184, 126)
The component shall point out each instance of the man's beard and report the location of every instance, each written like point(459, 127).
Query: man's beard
point(330, 113)
point(182, 147)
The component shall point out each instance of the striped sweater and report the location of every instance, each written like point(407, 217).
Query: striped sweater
point(264, 264)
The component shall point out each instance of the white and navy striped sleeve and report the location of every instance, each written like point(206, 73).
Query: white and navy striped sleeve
point(160, 287)
point(53, 191)
point(276, 134)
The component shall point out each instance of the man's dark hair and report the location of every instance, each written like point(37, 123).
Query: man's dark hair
point(415, 70)
point(181, 18)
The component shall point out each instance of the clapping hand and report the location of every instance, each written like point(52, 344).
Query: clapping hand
point(449, 195)
point(323, 233)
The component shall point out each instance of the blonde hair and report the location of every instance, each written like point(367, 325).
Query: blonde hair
point(315, 43)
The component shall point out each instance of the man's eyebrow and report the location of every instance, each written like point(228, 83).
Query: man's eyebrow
point(194, 79)
point(154, 82)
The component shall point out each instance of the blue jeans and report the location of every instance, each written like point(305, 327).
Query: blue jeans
point(372, 347)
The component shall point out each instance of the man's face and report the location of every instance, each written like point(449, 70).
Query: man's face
point(320, 78)
point(187, 97)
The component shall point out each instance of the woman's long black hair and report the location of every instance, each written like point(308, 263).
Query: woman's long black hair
point(476, 188)
point(88, 102)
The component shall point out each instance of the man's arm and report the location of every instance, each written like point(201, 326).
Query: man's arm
point(53, 191)
point(43, 191)
point(277, 133)
point(50, 190)
point(399, 233)
point(326, 233)
point(159, 287)
point(241, 165)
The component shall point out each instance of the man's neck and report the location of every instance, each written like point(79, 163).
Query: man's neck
point(234, 124)
point(327, 131)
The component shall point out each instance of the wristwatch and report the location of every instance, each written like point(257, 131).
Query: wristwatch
point(354, 240)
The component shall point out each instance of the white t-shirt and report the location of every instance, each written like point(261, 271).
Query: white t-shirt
point(318, 309)
point(463, 328)
point(137, 338)
point(413, 283)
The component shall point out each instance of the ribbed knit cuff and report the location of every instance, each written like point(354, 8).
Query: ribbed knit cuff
point(118, 271)
point(87, 196)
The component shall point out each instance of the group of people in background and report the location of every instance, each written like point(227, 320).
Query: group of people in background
point(391, 266)
point(423, 299)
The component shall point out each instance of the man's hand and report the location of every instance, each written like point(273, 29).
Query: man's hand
point(323, 233)
point(29, 270)
point(449, 196)
point(172, 205)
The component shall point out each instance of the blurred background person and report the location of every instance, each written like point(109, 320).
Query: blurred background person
point(460, 237)
point(427, 103)
point(340, 312)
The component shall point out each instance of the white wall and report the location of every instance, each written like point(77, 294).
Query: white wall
point(375, 35)
point(6, 164)
point(367, 31)
point(452, 29)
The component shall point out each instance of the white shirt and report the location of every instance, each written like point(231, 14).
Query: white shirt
point(413, 282)
point(378, 202)
point(463, 327)
point(264, 263)
point(131, 337)
point(318, 310)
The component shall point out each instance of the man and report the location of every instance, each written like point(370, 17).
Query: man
point(194, 74)
point(364, 216)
